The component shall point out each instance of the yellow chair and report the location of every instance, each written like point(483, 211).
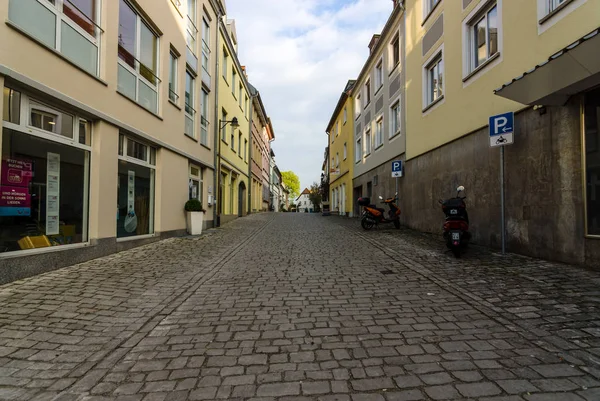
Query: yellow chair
point(32, 242)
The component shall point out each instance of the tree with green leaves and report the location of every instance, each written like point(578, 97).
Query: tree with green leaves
point(292, 182)
point(315, 196)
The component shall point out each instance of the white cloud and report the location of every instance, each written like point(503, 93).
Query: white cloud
point(300, 54)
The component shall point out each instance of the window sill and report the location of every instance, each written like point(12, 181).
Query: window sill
point(378, 147)
point(430, 13)
point(430, 105)
point(394, 68)
point(38, 251)
point(378, 90)
point(555, 11)
point(136, 237)
point(140, 106)
point(481, 67)
point(174, 104)
point(55, 52)
point(367, 105)
point(395, 135)
point(205, 146)
point(190, 137)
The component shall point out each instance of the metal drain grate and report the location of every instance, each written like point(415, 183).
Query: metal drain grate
point(388, 272)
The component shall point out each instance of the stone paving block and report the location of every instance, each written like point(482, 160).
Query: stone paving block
point(372, 384)
point(516, 386)
point(444, 392)
point(406, 395)
point(278, 389)
point(557, 370)
point(481, 389)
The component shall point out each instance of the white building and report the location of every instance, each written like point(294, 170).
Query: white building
point(303, 202)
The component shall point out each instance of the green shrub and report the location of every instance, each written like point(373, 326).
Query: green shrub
point(193, 205)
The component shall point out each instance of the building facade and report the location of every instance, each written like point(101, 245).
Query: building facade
point(538, 59)
point(303, 203)
point(234, 139)
point(378, 120)
point(269, 137)
point(102, 147)
point(260, 151)
point(341, 153)
point(274, 183)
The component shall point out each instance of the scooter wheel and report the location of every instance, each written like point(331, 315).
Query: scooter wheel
point(366, 224)
point(397, 223)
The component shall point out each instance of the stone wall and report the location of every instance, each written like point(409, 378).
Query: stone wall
point(544, 197)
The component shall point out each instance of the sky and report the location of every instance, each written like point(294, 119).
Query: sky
point(300, 54)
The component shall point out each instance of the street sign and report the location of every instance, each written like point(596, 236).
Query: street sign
point(502, 129)
point(397, 168)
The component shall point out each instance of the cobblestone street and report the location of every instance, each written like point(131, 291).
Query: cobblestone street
point(302, 307)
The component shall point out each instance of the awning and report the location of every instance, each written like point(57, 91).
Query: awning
point(566, 73)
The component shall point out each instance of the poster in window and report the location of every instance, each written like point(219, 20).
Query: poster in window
point(52, 194)
point(16, 172)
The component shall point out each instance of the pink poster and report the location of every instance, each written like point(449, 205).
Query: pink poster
point(16, 173)
point(14, 197)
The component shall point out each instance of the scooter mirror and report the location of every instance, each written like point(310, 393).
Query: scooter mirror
point(380, 197)
point(460, 189)
point(396, 193)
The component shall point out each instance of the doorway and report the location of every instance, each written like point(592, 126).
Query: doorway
point(241, 197)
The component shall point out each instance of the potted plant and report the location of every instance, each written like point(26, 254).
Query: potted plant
point(195, 216)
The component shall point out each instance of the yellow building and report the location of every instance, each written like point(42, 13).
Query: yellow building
point(106, 110)
point(469, 60)
point(341, 139)
point(234, 129)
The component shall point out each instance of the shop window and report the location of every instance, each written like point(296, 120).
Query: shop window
point(135, 188)
point(592, 161)
point(12, 106)
point(196, 183)
point(43, 192)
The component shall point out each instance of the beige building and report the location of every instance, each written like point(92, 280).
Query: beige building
point(108, 124)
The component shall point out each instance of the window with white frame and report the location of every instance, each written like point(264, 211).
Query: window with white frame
point(173, 66)
point(367, 92)
point(205, 45)
point(395, 51)
point(190, 111)
point(395, 119)
point(554, 4)
point(223, 126)
point(368, 141)
point(434, 80)
point(196, 186)
point(379, 132)
point(245, 150)
point(240, 95)
point(70, 27)
point(379, 75)
point(483, 36)
point(192, 30)
point(232, 144)
point(225, 63)
point(240, 144)
point(345, 114)
point(345, 151)
point(337, 160)
point(246, 110)
point(138, 58)
point(358, 151)
point(204, 117)
point(429, 5)
point(233, 80)
point(357, 106)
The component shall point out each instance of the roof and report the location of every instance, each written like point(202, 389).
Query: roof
point(305, 192)
point(555, 56)
point(345, 94)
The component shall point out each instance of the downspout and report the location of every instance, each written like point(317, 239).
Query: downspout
point(217, 177)
point(250, 152)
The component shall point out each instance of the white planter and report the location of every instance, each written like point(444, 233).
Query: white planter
point(194, 222)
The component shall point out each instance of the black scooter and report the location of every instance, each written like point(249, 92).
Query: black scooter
point(456, 225)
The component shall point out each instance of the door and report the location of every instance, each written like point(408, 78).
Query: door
point(241, 197)
point(357, 194)
point(343, 194)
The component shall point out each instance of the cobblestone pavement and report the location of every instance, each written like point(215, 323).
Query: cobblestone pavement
point(302, 307)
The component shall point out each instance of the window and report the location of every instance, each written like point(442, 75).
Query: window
point(233, 77)
point(195, 184)
point(205, 45)
point(223, 126)
point(434, 80)
point(337, 160)
point(592, 161)
point(190, 111)
point(345, 114)
point(379, 132)
point(367, 93)
point(357, 106)
point(204, 117)
point(240, 95)
point(225, 62)
point(51, 120)
point(379, 75)
point(358, 151)
point(395, 51)
point(246, 107)
point(245, 150)
point(240, 144)
point(135, 188)
point(429, 6)
point(368, 142)
point(395, 119)
point(232, 144)
point(192, 30)
point(70, 27)
point(345, 151)
point(138, 59)
point(173, 61)
point(554, 4)
point(483, 37)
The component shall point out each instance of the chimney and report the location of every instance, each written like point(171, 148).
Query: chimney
point(395, 3)
point(373, 42)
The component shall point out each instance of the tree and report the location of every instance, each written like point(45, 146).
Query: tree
point(292, 182)
point(315, 196)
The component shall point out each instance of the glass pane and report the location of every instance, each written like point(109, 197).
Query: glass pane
point(189, 126)
point(83, 13)
point(592, 160)
point(189, 93)
point(192, 10)
point(51, 120)
point(126, 82)
point(480, 42)
point(34, 18)
point(41, 204)
point(172, 77)
point(432, 84)
point(493, 31)
point(137, 150)
point(11, 110)
point(135, 200)
point(148, 97)
point(78, 49)
point(148, 54)
point(440, 70)
point(85, 132)
point(205, 32)
point(127, 33)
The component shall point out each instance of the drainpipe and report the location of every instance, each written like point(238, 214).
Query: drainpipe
point(250, 152)
point(217, 142)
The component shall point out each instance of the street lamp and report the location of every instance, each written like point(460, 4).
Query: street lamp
point(222, 124)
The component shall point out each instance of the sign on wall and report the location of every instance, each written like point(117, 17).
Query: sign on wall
point(502, 129)
point(397, 168)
